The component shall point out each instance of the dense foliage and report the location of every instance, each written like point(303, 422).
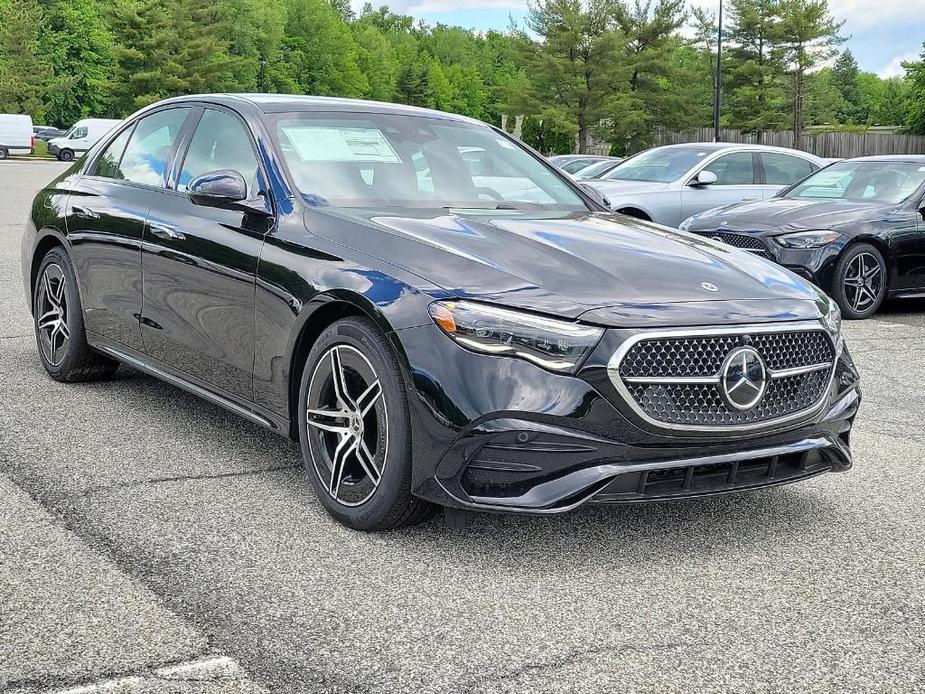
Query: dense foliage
point(580, 69)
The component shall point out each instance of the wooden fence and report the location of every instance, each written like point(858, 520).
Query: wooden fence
point(820, 143)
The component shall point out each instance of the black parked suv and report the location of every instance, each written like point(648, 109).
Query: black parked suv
point(438, 315)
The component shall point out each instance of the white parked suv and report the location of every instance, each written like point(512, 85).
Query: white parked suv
point(16, 134)
point(81, 137)
point(669, 184)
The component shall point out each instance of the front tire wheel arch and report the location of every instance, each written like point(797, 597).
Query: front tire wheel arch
point(391, 503)
point(872, 250)
point(635, 213)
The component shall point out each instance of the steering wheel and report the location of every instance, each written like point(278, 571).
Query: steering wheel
point(493, 194)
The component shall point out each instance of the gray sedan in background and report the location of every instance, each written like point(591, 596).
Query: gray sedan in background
point(669, 184)
point(570, 163)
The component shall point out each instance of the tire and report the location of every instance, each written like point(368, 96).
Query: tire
point(3, 153)
point(59, 326)
point(359, 465)
point(860, 298)
point(65, 155)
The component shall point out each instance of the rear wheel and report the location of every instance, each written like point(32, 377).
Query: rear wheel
point(860, 281)
point(59, 327)
point(354, 429)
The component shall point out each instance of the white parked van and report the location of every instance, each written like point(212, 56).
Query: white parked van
point(15, 135)
point(81, 137)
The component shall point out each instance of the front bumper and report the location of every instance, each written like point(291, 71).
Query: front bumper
point(814, 264)
point(500, 434)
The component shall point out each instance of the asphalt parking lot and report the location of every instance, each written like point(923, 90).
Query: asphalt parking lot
point(150, 539)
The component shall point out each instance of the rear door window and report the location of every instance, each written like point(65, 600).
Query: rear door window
point(733, 169)
point(150, 149)
point(784, 169)
point(109, 163)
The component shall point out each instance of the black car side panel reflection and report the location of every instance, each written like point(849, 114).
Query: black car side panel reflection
point(105, 219)
point(199, 266)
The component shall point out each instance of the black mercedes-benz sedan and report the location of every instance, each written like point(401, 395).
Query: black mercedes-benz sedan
point(437, 314)
point(855, 228)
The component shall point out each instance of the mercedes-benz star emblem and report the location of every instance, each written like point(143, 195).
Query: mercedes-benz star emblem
point(709, 286)
point(743, 378)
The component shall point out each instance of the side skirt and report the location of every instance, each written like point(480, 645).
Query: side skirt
point(161, 371)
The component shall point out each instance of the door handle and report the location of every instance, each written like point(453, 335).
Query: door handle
point(166, 232)
point(84, 212)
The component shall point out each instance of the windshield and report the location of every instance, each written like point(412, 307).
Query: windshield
point(379, 160)
point(874, 181)
point(659, 165)
point(595, 170)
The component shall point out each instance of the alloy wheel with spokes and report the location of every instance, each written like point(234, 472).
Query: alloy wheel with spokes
point(347, 422)
point(863, 283)
point(53, 331)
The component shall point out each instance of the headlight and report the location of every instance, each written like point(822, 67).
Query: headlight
point(807, 239)
point(553, 344)
point(686, 224)
point(831, 319)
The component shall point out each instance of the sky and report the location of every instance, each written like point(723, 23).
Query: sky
point(880, 38)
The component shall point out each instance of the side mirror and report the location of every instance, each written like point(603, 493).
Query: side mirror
point(221, 189)
point(596, 195)
point(227, 190)
point(704, 178)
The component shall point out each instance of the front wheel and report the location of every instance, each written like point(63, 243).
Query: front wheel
point(66, 155)
point(354, 428)
point(860, 281)
point(59, 326)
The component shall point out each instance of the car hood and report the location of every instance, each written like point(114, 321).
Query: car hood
point(615, 189)
point(569, 264)
point(790, 213)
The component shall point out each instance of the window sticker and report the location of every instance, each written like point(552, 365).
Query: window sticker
point(341, 144)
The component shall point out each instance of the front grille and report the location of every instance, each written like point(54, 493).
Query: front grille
point(677, 379)
point(704, 355)
point(744, 241)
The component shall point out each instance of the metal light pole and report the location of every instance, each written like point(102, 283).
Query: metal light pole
point(719, 75)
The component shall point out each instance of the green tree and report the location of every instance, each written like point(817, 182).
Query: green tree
point(915, 76)
point(81, 47)
point(319, 55)
point(25, 70)
point(755, 67)
point(648, 57)
point(573, 69)
point(808, 36)
point(845, 76)
point(201, 30)
point(377, 60)
point(146, 66)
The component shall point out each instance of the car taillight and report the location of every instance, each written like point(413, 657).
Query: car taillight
point(33, 142)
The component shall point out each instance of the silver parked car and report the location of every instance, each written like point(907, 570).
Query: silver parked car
point(669, 184)
point(570, 163)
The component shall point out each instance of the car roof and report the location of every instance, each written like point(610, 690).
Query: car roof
point(717, 146)
point(288, 103)
point(906, 158)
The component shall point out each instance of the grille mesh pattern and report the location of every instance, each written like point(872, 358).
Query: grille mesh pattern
point(702, 404)
point(744, 241)
point(704, 356)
